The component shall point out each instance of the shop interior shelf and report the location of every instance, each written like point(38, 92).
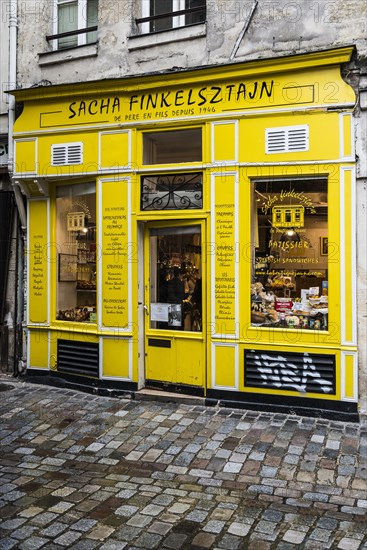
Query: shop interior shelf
point(86, 290)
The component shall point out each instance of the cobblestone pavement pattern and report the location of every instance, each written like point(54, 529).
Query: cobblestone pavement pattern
point(81, 471)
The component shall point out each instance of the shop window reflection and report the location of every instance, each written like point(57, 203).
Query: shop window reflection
point(76, 239)
point(172, 146)
point(289, 257)
point(175, 278)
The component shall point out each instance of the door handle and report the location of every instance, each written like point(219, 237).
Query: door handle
point(146, 309)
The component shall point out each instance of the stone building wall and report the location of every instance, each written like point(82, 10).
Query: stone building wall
point(274, 28)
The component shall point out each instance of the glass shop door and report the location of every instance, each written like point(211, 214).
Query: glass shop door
point(174, 306)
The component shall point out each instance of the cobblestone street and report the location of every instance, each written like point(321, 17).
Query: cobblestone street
point(82, 471)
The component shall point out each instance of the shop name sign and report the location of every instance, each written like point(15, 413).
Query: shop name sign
point(278, 84)
point(188, 99)
point(291, 194)
point(178, 101)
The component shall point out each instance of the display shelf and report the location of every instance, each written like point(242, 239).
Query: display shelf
point(86, 290)
point(309, 313)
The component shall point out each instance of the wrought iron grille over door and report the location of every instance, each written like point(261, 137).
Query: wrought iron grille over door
point(172, 192)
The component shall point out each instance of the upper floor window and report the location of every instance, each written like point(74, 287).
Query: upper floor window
point(75, 23)
point(162, 15)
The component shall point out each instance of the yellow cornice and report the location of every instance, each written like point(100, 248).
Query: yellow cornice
point(276, 65)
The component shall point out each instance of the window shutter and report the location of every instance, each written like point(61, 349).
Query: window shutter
point(64, 154)
point(288, 139)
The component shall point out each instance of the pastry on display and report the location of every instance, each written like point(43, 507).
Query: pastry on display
point(79, 315)
point(281, 308)
point(85, 285)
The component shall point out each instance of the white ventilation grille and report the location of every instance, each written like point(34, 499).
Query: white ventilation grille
point(288, 139)
point(64, 154)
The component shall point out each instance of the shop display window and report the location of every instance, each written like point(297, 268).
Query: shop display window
point(290, 254)
point(175, 278)
point(76, 242)
point(172, 146)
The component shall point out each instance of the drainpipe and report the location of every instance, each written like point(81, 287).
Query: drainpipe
point(12, 84)
point(20, 206)
point(12, 77)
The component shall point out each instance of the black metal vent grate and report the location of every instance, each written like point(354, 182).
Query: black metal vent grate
point(81, 358)
point(302, 372)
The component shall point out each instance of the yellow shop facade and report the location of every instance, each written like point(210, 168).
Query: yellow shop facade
point(195, 232)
